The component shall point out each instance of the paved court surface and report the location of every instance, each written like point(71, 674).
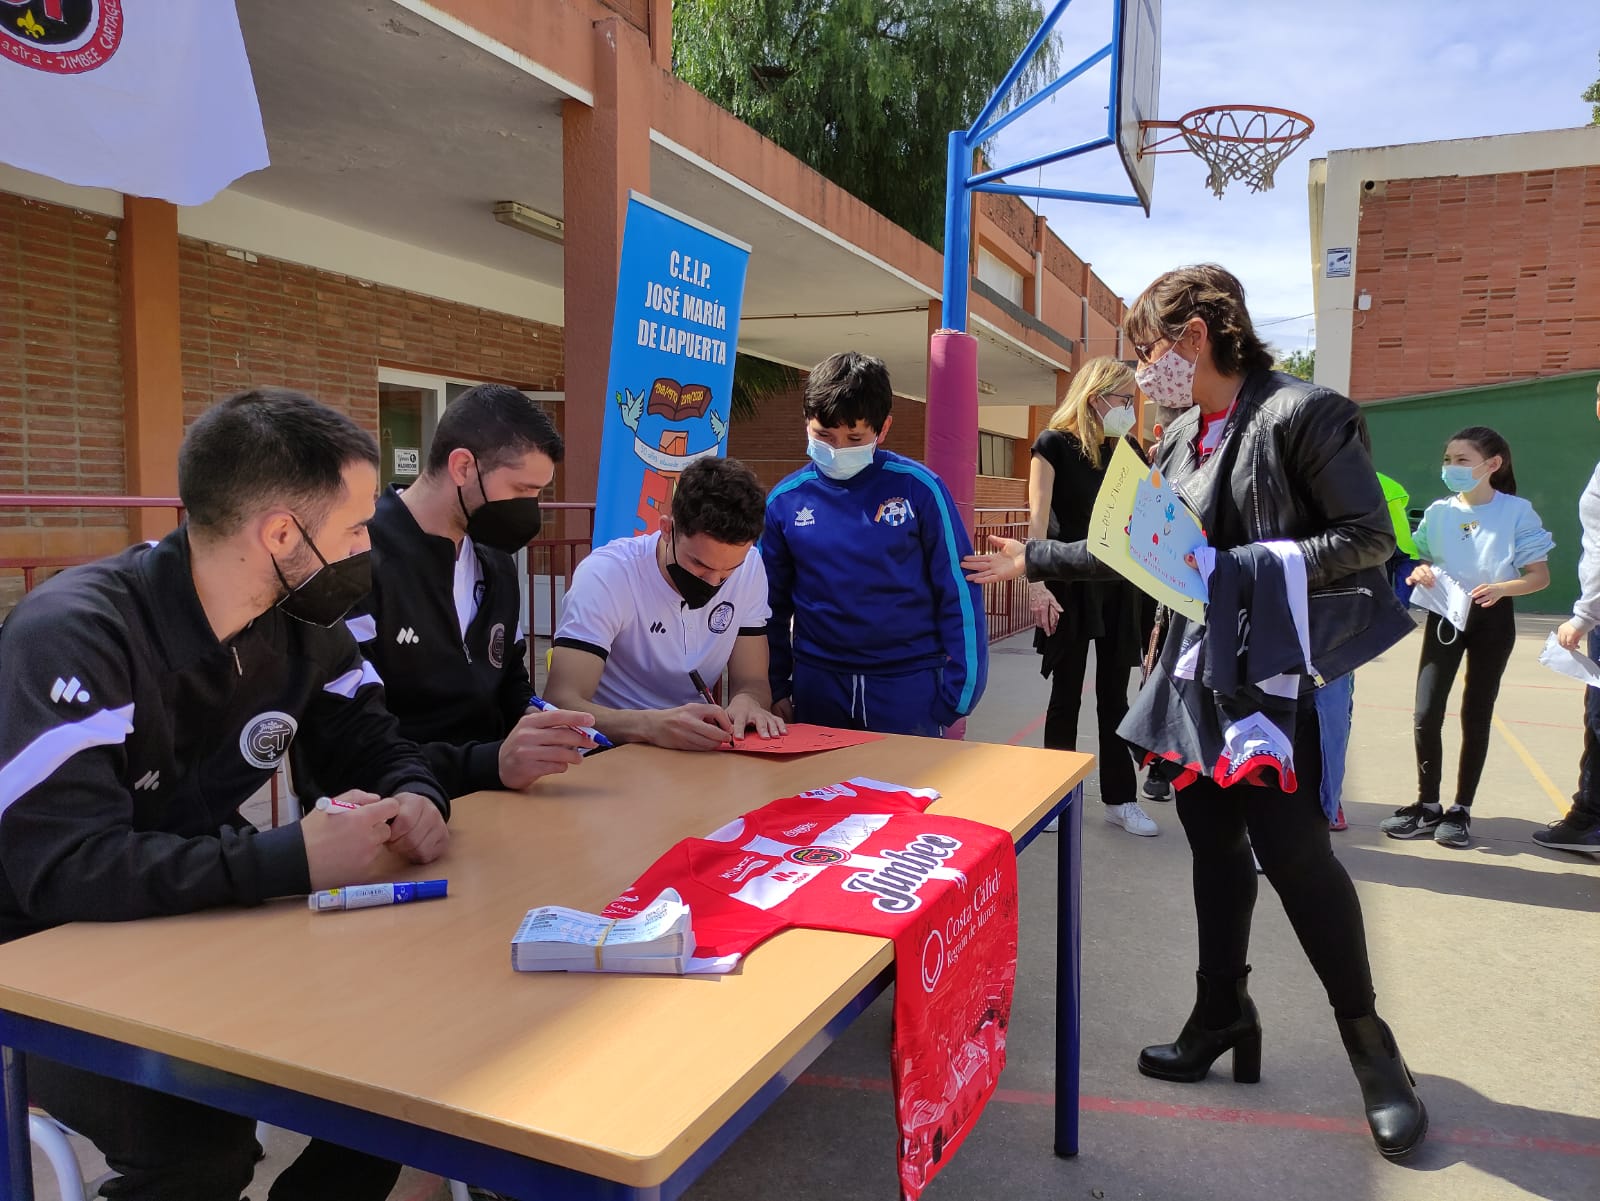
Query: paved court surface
point(1487, 964)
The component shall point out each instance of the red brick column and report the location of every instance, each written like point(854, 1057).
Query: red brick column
point(605, 153)
point(152, 356)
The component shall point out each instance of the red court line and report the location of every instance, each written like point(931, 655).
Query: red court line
point(1026, 730)
point(1499, 1140)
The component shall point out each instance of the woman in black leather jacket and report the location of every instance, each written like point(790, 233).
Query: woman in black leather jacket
point(1262, 458)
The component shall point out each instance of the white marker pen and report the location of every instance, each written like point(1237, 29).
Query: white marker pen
point(363, 896)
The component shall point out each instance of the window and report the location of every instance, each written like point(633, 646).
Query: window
point(1000, 275)
point(995, 454)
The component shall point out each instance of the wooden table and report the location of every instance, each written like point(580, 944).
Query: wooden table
point(404, 1032)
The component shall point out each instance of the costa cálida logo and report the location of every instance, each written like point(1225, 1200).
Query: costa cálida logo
point(895, 886)
point(65, 37)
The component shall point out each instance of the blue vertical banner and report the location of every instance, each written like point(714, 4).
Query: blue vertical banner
point(679, 292)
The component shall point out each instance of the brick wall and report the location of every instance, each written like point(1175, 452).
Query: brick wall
point(60, 380)
point(1477, 280)
point(249, 321)
point(1104, 301)
point(773, 443)
point(998, 492)
point(637, 12)
point(1013, 217)
point(60, 359)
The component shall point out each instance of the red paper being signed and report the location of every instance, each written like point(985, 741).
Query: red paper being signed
point(801, 739)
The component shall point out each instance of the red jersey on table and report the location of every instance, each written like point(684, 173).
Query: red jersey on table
point(863, 857)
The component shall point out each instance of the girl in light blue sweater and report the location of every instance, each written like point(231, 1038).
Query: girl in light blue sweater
point(1492, 543)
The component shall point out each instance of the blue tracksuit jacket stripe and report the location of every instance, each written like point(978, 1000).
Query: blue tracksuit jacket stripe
point(969, 627)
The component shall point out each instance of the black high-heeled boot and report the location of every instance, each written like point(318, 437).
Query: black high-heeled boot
point(1197, 1047)
point(1397, 1116)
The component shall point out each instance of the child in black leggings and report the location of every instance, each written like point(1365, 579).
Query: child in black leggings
point(1492, 543)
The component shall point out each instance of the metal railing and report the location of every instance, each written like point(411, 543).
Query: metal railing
point(31, 565)
point(551, 561)
point(1004, 605)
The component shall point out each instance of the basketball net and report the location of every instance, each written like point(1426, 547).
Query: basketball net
point(1241, 142)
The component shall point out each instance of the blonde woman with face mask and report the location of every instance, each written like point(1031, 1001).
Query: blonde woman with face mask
point(1069, 462)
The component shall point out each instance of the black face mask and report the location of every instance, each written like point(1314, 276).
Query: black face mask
point(506, 525)
point(328, 593)
point(696, 592)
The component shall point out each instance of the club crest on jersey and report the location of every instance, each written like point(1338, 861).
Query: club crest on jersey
point(63, 37)
point(829, 792)
point(895, 511)
point(816, 856)
point(721, 618)
point(895, 887)
point(266, 737)
point(497, 645)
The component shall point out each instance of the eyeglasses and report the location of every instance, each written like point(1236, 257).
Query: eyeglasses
point(1143, 349)
point(1127, 396)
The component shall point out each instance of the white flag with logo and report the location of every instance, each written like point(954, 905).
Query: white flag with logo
point(148, 97)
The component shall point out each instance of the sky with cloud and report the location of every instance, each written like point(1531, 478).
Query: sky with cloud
point(1368, 73)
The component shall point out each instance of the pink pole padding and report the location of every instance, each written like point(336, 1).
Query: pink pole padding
point(953, 415)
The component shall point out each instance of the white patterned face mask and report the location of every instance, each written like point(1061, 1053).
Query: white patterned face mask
point(1169, 381)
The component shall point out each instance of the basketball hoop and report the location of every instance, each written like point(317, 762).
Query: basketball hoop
point(1236, 141)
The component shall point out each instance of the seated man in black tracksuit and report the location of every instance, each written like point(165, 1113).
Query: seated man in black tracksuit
point(146, 697)
point(443, 625)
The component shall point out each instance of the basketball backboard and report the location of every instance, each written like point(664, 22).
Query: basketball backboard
point(1137, 59)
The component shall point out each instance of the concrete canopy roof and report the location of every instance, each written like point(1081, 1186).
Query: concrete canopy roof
point(389, 123)
point(381, 119)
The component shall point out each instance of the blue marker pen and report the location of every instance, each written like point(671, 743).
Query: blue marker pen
point(601, 742)
point(363, 896)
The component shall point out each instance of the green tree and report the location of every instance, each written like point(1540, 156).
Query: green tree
point(755, 380)
point(1592, 95)
point(1302, 363)
point(864, 91)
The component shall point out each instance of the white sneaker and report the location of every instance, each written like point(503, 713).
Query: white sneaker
point(1133, 819)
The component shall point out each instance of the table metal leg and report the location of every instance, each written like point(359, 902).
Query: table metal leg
point(16, 1157)
point(1069, 947)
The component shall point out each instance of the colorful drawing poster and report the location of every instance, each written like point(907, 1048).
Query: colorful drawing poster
point(680, 288)
point(1111, 529)
point(1161, 532)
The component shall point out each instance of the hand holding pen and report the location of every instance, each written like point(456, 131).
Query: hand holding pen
point(743, 713)
point(545, 742)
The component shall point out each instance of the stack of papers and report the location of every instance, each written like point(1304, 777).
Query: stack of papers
point(554, 938)
point(1445, 597)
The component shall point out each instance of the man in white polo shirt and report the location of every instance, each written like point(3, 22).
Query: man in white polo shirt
point(648, 619)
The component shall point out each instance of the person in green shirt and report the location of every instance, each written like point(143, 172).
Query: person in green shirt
point(1406, 554)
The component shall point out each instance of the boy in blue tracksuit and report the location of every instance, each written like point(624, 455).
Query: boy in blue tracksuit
point(863, 553)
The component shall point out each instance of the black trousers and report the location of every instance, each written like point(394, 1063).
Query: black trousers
point(1586, 801)
point(1486, 644)
point(1290, 836)
point(1118, 776)
point(164, 1148)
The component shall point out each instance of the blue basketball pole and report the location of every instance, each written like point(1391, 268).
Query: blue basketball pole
point(961, 183)
point(952, 415)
